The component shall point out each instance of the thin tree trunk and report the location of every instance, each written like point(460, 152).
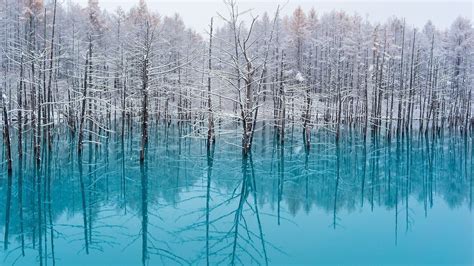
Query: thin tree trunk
point(145, 77)
point(20, 114)
point(49, 98)
point(400, 91)
point(210, 131)
point(84, 99)
point(6, 135)
point(411, 89)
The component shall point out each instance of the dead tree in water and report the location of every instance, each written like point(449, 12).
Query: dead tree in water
point(401, 88)
point(6, 135)
point(339, 96)
point(20, 113)
point(282, 102)
point(409, 122)
point(246, 70)
point(247, 107)
point(145, 76)
point(366, 93)
point(430, 84)
point(307, 115)
point(88, 68)
point(210, 131)
point(424, 77)
point(262, 79)
point(49, 97)
point(6, 139)
point(35, 94)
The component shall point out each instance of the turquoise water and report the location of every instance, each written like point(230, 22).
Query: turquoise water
point(359, 202)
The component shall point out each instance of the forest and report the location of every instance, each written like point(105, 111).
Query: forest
point(82, 85)
point(101, 73)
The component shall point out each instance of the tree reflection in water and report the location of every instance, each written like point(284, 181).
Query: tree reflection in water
point(199, 204)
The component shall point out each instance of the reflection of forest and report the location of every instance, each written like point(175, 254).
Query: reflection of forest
point(357, 173)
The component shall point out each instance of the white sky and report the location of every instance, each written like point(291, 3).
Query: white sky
point(197, 13)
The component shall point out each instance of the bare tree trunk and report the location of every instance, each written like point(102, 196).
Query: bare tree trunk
point(428, 102)
point(382, 84)
point(307, 119)
point(282, 107)
point(210, 131)
point(468, 113)
point(248, 110)
point(411, 89)
point(20, 114)
point(392, 87)
point(375, 77)
point(6, 135)
point(49, 98)
point(366, 93)
point(145, 79)
point(84, 99)
point(339, 96)
point(400, 91)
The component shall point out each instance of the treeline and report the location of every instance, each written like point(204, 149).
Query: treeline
point(105, 72)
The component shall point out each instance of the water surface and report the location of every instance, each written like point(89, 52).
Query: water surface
point(362, 201)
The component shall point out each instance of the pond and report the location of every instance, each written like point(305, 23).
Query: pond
point(363, 201)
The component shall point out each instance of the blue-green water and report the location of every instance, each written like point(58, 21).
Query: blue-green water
point(359, 202)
